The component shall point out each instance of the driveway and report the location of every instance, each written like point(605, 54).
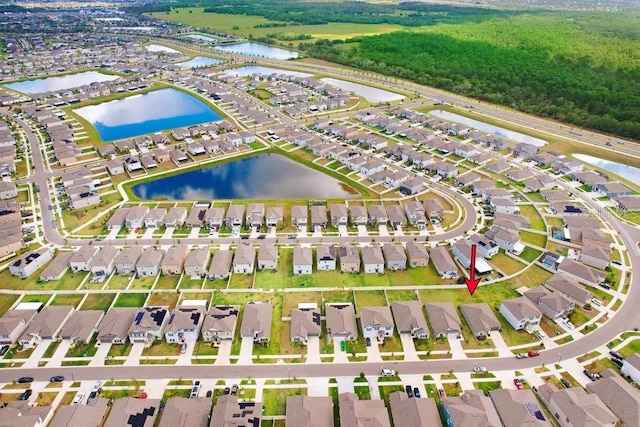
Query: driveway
point(194, 232)
point(61, 351)
point(185, 359)
point(342, 231)
point(246, 351)
point(168, 232)
point(113, 234)
point(37, 354)
point(456, 347)
point(339, 355)
point(101, 355)
point(362, 230)
point(313, 350)
point(383, 231)
point(224, 351)
point(409, 347)
point(500, 345)
point(373, 352)
point(134, 356)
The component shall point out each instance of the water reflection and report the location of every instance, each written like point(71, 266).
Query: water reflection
point(250, 70)
point(199, 61)
point(267, 176)
point(151, 112)
point(369, 93)
point(257, 49)
point(495, 130)
point(201, 37)
point(160, 48)
point(624, 171)
point(61, 82)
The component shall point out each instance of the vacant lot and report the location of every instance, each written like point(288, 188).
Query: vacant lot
point(131, 300)
point(98, 301)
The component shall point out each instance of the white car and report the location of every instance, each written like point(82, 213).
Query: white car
point(597, 302)
point(479, 369)
point(388, 372)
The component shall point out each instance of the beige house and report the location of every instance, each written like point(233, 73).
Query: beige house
point(229, 412)
point(311, 411)
point(220, 323)
point(114, 327)
point(173, 261)
point(341, 322)
point(184, 323)
point(13, 323)
point(409, 412)
point(410, 319)
point(129, 408)
point(196, 262)
point(180, 411)
point(305, 323)
point(355, 412)
point(349, 258)
point(81, 326)
point(417, 255)
point(268, 257)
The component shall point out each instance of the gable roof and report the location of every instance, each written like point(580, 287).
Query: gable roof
point(443, 318)
point(620, 396)
point(309, 411)
point(256, 320)
point(480, 317)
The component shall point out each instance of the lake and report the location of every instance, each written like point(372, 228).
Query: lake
point(257, 49)
point(68, 81)
point(159, 48)
point(369, 93)
point(142, 114)
point(250, 70)
point(199, 61)
point(266, 176)
point(494, 130)
point(627, 172)
point(201, 37)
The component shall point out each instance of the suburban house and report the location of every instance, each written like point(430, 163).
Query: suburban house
point(376, 322)
point(326, 257)
point(299, 216)
point(255, 215)
point(396, 214)
point(148, 324)
point(128, 410)
point(126, 259)
point(220, 323)
point(149, 262)
point(621, 397)
point(114, 327)
point(628, 203)
point(228, 411)
point(214, 218)
point(356, 412)
point(305, 322)
point(358, 215)
point(521, 313)
point(135, 217)
point(104, 261)
point(93, 414)
point(173, 260)
point(175, 217)
point(311, 411)
point(481, 319)
point(631, 367)
point(595, 256)
point(461, 250)
point(444, 319)
point(417, 255)
point(154, 218)
point(318, 216)
point(574, 404)
point(256, 321)
point(349, 258)
point(506, 240)
point(180, 411)
point(394, 256)
point(196, 262)
point(27, 264)
point(571, 289)
point(341, 321)
point(268, 256)
point(57, 267)
point(503, 206)
point(45, 325)
point(613, 189)
point(485, 247)
point(339, 214)
point(445, 266)
point(372, 259)
point(433, 210)
point(377, 215)
point(184, 323)
point(416, 214)
point(244, 259)
point(274, 216)
point(408, 412)
point(410, 319)
point(581, 273)
point(302, 260)
point(472, 408)
point(235, 216)
point(220, 267)
point(518, 407)
point(13, 323)
point(552, 304)
point(81, 326)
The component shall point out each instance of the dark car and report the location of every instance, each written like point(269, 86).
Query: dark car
point(92, 395)
point(615, 354)
point(234, 389)
point(26, 394)
point(227, 390)
point(368, 341)
point(565, 382)
point(209, 393)
point(56, 379)
point(4, 350)
point(617, 362)
point(590, 374)
point(409, 390)
point(23, 380)
point(416, 392)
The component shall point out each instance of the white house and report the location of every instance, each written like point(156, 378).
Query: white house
point(520, 313)
point(302, 260)
point(377, 322)
point(325, 257)
point(631, 367)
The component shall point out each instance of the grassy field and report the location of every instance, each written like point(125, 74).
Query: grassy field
point(529, 211)
point(506, 264)
point(6, 301)
point(67, 299)
point(97, 301)
point(164, 299)
point(131, 300)
point(539, 240)
point(275, 399)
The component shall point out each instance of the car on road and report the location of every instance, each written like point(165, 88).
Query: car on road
point(409, 390)
point(479, 369)
point(234, 389)
point(56, 379)
point(616, 262)
point(23, 380)
point(53, 223)
point(522, 356)
point(616, 355)
point(4, 350)
point(604, 285)
point(518, 384)
point(565, 383)
point(533, 353)
point(416, 392)
point(50, 207)
point(387, 372)
point(97, 385)
point(26, 394)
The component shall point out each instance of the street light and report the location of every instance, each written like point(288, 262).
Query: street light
point(72, 377)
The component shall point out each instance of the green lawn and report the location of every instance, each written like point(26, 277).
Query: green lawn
point(539, 240)
point(369, 298)
point(81, 349)
point(119, 281)
point(51, 349)
point(487, 386)
point(506, 264)
point(530, 254)
point(397, 295)
point(69, 281)
point(241, 281)
point(67, 299)
point(6, 301)
point(43, 298)
point(142, 282)
point(290, 300)
point(97, 301)
point(164, 299)
point(167, 281)
point(131, 300)
point(529, 211)
point(188, 283)
point(275, 399)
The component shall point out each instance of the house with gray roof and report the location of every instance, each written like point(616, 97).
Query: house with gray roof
point(133, 412)
point(20, 413)
point(104, 261)
point(595, 256)
point(552, 304)
point(13, 323)
point(244, 259)
point(358, 215)
point(480, 319)
point(571, 289)
point(91, 414)
point(180, 411)
point(574, 404)
point(416, 214)
point(396, 215)
point(631, 367)
point(214, 217)
point(309, 411)
point(81, 258)
point(620, 397)
point(57, 267)
point(518, 408)
point(175, 217)
point(443, 262)
point(302, 260)
point(256, 321)
point(394, 256)
point(378, 215)
point(521, 313)
point(376, 322)
point(114, 327)
point(299, 216)
point(46, 324)
point(27, 264)
point(184, 323)
point(235, 216)
point(580, 272)
point(325, 257)
point(274, 216)
point(339, 215)
point(255, 215)
point(349, 258)
point(127, 258)
point(356, 413)
point(148, 264)
point(148, 324)
point(220, 323)
point(305, 323)
point(341, 321)
point(173, 260)
point(417, 255)
point(628, 203)
point(443, 318)
point(154, 218)
point(228, 411)
point(268, 256)
point(220, 267)
point(472, 408)
point(372, 259)
point(410, 319)
point(196, 262)
point(318, 216)
point(81, 326)
point(411, 412)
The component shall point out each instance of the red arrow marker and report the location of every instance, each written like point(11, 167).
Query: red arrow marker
point(472, 282)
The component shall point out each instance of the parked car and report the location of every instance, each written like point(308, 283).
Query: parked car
point(533, 353)
point(227, 390)
point(596, 302)
point(479, 369)
point(4, 350)
point(615, 354)
point(416, 392)
point(26, 394)
point(522, 356)
point(409, 390)
point(367, 340)
point(92, 396)
point(78, 398)
point(209, 393)
point(518, 384)
point(183, 348)
point(388, 372)
point(565, 383)
point(23, 380)
point(56, 379)
point(592, 376)
point(234, 389)
point(617, 362)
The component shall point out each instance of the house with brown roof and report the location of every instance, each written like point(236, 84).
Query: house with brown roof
point(196, 262)
point(472, 408)
point(396, 215)
point(184, 323)
point(228, 411)
point(518, 408)
point(356, 413)
point(349, 258)
point(220, 323)
point(256, 321)
point(173, 261)
point(571, 289)
point(244, 259)
point(309, 411)
point(299, 216)
point(133, 412)
point(127, 258)
point(46, 324)
point(378, 215)
point(81, 326)
point(91, 414)
point(326, 257)
point(148, 324)
point(274, 216)
point(416, 214)
point(620, 397)
point(305, 323)
point(20, 413)
point(255, 215)
point(57, 267)
point(104, 261)
point(521, 313)
point(417, 255)
point(481, 319)
point(318, 216)
point(114, 327)
point(13, 323)
point(582, 409)
point(214, 217)
point(341, 321)
point(443, 262)
point(410, 319)
point(443, 318)
point(372, 259)
point(234, 216)
point(394, 256)
point(411, 412)
point(580, 272)
point(339, 215)
point(595, 256)
point(175, 217)
point(268, 256)
point(220, 267)
point(552, 304)
point(148, 264)
point(376, 322)
point(180, 411)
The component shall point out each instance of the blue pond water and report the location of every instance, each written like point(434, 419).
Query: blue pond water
point(266, 176)
point(257, 49)
point(142, 114)
point(630, 173)
point(56, 83)
point(199, 61)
